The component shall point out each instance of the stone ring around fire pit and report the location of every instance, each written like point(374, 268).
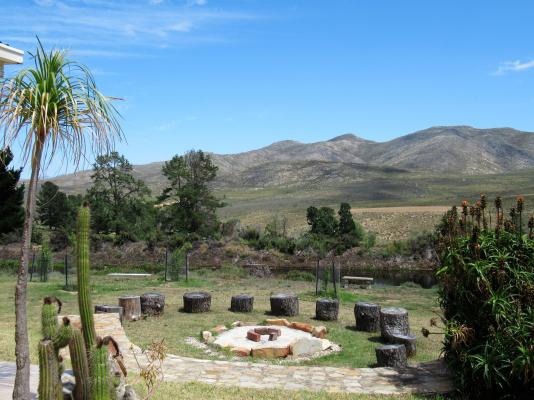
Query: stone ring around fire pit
point(280, 339)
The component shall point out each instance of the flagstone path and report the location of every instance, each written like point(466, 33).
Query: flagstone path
point(424, 378)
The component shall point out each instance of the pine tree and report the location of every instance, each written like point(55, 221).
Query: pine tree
point(52, 206)
point(346, 223)
point(11, 196)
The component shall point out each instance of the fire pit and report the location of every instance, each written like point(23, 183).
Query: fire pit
point(272, 341)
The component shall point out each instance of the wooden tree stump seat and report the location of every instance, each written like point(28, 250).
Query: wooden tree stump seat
point(393, 321)
point(106, 308)
point(131, 306)
point(367, 316)
point(326, 309)
point(197, 302)
point(152, 303)
point(391, 355)
point(284, 304)
point(409, 341)
point(242, 303)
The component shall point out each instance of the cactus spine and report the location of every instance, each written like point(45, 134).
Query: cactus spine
point(100, 375)
point(80, 366)
point(63, 335)
point(49, 376)
point(84, 297)
point(49, 313)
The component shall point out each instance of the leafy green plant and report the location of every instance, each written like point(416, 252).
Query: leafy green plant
point(300, 276)
point(487, 296)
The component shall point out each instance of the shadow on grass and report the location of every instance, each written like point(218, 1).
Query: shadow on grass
point(352, 328)
point(376, 339)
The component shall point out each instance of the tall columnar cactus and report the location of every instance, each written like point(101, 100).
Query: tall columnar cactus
point(55, 337)
point(49, 313)
point(63, 335)
point(101, 385)
point(49, 372)
point(80, 366)
point(89, 353)
point(84, 295)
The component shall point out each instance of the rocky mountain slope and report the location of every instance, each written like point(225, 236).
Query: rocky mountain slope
point(349, 158)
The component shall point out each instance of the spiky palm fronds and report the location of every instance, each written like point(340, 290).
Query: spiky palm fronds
point(56, 105)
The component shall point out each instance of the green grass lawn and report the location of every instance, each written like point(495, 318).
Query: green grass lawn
point(175, 326)
point(199, 391)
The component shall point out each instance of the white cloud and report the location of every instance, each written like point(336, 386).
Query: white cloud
point(111, 28)
point(44, 3)
point(182, 26)
point(514, 66)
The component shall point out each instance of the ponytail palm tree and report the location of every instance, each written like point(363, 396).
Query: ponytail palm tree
point(52, 109)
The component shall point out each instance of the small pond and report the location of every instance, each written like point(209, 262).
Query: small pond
point(382, 277)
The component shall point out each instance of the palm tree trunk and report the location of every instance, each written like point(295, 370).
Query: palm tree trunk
point(21, 390)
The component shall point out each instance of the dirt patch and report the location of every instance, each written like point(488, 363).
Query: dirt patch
point(402, 210)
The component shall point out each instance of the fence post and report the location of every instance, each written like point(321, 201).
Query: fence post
point(317, 277)
point(40, 263)
point(166, 262)
point(334, 277)
point(66, 271)
point(32, 269)
point(187, 266)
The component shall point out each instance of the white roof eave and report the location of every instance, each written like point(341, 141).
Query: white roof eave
point(10, 55)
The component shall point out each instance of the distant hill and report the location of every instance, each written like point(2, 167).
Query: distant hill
point(349, 158)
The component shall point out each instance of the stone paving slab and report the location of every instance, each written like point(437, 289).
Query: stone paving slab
point(425, 378)
point(7, 378)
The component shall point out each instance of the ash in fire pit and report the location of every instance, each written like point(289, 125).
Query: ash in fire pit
point(256, 333)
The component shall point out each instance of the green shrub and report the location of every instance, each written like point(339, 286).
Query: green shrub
point(231, 272)
point(37, 235)
point(250, 233)
point(369, 241)
point(397, 247)
point(296, 275)
point(9, 266)
point(487, 295)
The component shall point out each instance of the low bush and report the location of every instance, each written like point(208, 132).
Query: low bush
point(9, 266)
point(300, 276)
point(232, 272)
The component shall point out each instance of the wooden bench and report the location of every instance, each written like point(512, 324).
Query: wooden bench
point(129, 275)
point(362, 281)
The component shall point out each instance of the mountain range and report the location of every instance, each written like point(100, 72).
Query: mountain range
point(440, 150)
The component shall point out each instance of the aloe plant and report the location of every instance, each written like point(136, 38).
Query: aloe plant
point(487, 296)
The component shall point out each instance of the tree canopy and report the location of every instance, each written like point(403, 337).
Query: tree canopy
point(11, 195)
point(329, 233)
point(190, 206)
point(117, 198)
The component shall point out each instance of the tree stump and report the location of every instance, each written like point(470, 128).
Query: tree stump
point(409, 341)
point(242, 303)
point(131, 306)
point(152, 303)
point(284, 304)
point(367, 316)
point(197, 302)
point(394, 321)
point(391, 355)
point(105, 308)
point(326, 309)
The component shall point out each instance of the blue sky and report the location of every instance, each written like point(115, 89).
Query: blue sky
point(229, 76)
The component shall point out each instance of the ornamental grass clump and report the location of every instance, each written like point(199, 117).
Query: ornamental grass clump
point(487, 295)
